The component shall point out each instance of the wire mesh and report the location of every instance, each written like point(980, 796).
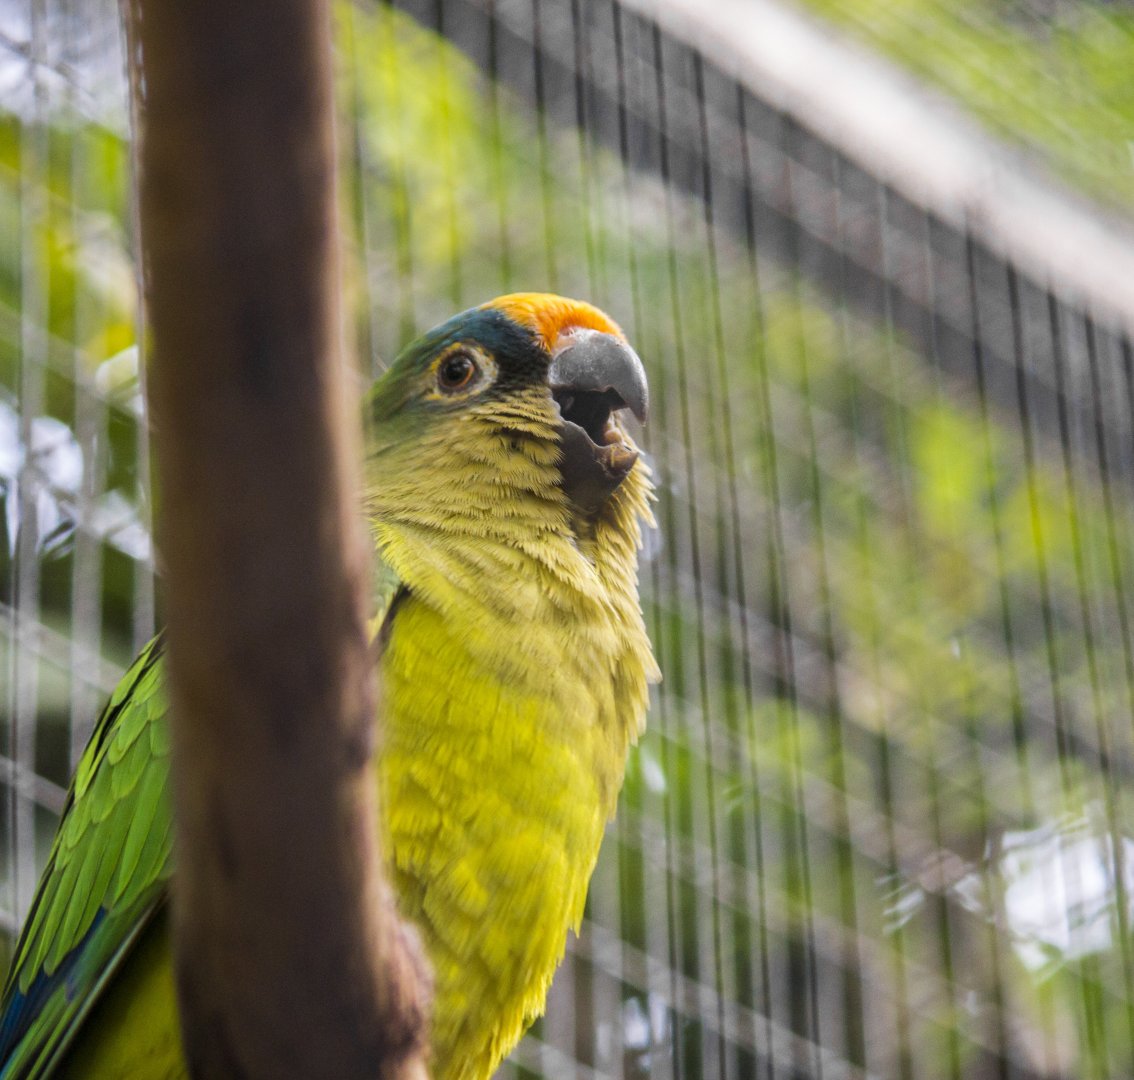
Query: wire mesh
point(77, 596)
point(880, 823)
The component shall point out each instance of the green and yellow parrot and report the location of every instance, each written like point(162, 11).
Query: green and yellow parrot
point(505, 500)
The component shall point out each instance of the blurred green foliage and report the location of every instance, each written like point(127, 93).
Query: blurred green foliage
point(1049, 75)
point(895, 637)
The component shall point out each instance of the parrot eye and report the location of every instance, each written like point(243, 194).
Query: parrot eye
point(456, 372)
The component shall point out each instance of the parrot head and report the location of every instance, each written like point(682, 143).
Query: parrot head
point(521, 398)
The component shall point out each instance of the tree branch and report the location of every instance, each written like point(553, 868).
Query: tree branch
point(290, 961)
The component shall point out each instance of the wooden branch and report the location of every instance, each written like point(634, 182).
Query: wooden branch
point(290, 961)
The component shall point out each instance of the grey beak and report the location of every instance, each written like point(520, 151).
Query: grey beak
point(594, 362)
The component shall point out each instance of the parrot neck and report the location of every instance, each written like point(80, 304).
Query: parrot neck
point(491, 544)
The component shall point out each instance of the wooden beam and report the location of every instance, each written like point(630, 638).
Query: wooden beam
point(290, 960)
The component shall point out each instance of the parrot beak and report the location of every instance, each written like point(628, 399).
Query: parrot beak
point(592, 376)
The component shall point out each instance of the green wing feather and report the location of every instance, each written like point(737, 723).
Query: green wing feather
point(106, 876)
point(97, 888)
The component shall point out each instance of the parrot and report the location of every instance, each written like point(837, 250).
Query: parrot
point(506, 501)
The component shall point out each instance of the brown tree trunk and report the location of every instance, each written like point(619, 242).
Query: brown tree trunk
point(290, 961)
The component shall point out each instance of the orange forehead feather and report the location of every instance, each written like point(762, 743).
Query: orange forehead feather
point(548, 315)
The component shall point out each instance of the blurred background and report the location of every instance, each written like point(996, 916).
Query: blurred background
point(876, 255)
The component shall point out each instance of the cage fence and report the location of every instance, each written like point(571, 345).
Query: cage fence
point(880, 824)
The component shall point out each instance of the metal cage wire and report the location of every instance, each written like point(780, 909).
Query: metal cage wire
point(879, 825)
